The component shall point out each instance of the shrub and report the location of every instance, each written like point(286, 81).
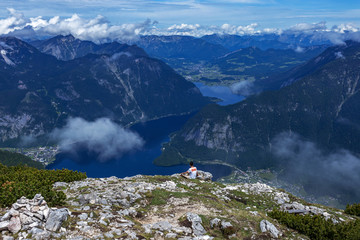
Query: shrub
point(317, 227)
point(18, 181)
point(353, 209)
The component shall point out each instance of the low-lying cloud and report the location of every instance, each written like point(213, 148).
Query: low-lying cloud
point(321, 172)
point(27, 140)
point(102, 136)
point(244, 88)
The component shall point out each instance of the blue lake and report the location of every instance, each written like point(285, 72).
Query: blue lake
point(155, 133)
point(222, 92)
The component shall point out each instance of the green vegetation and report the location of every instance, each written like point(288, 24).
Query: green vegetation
point(268, 176)
point(13, 159)
point(18, 181)
point(317, 228)
point(353, 209)
point(249, 64)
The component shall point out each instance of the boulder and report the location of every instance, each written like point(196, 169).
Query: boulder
point(162, 226)
point(227, 228)
point(196, 224)
point(206, 176)
point(7, 238)
point(56, 218)
point(4, 225)
point(215, 222)
point(5, 217)
point(267, 226)
point(171, 235)
point(14, 224)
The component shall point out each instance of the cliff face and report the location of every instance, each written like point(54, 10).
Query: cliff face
point(158, 207)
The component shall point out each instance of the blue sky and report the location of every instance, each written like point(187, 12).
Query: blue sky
point(267, 13)
point(107, 20)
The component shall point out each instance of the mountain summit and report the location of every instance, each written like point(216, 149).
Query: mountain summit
point(68, 47)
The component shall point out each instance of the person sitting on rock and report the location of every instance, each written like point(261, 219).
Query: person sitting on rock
point(191, 173)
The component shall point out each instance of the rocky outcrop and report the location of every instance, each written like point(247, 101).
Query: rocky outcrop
point(33, 216)
point(129, 86)
point(196, 224)
point(206, 176)
point(56, 218)
point(201, 175)
point(158, 207)
point(267, 226)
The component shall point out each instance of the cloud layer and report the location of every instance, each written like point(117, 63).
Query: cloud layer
point(321, 172)
point(103, 137)
point(99, 29)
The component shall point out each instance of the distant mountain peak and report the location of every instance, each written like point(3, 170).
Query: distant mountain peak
point(68, 48)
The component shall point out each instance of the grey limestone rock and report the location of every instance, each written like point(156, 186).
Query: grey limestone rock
point(109, 235)
point(7, 238)
point(4, 225)
point(83, 216)
point(215, 222)
point(196, 224)
point(162, 226)
point(225, 225)
point(56, 218)
point(147, 228)
point(5, 217)
point(82, 200)
point(14, 224)
point(86, 208)
point(60, 184)
point(206, 176)
point(267, 226)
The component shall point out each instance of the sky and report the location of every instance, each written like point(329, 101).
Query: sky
point(188, 17)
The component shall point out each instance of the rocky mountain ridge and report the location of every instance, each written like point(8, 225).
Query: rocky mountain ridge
point(286, 40)
point(39, 92)
point(68, 48)
point(321, 108)
point(158, 207)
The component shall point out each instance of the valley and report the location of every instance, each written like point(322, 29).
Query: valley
point(188, 120)
point(45, 155)
point(236, 133)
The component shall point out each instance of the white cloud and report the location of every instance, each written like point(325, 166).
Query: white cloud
point(14, 22)
point(244, 88)
point(299, 49)
point(99, 29)
point(343, 28)
point(240, 30)
point(103, 137)
point(184, 27)
point(331, 172)
point(28, 140)
point(339, 55)
point(309, 27)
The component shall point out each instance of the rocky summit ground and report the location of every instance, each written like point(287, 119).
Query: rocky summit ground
point(157, 207)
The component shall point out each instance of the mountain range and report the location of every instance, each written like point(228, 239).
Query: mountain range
point(228, 59)
point(39, 91)
point(286, 40)
point(255, 65)
point(319, 112)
